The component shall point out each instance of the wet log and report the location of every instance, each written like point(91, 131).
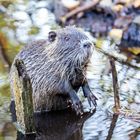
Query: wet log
point(23, 100)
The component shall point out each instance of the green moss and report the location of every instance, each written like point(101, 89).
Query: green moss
point(33, 30)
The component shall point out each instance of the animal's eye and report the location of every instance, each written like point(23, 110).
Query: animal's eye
point(87, 45)
point(52, 36)
point(66, 38)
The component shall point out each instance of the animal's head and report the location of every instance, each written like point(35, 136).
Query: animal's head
point(71, 43)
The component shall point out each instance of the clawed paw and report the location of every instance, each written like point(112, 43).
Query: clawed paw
point(92, 100)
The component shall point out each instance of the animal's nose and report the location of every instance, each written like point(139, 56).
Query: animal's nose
point(87, 45)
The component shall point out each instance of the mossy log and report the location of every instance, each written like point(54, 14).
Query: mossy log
point(23, 99)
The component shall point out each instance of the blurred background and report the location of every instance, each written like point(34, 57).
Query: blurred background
point(114, 25)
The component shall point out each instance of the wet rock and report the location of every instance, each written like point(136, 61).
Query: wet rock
point(116, 34)
point(98, 23)
point(117, 8)
point(58, 9)
point(70, 4)
point(123, 22)
point(40, 16)
point(137, 19)
point(132, 35)
point(123, 1)
point(136, 3)
point(130, 42)
point(106, 3)
point(21, 15)
point(2, 9)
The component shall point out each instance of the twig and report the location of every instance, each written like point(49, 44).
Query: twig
point(112, 126)
point(115, 85)
point(120, 60)
point(82, 8)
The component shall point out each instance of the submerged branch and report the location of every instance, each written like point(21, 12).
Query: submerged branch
point(112, 126)
point(115, 84)
point(119, 60)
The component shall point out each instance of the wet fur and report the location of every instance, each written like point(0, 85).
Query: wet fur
point(51, 64)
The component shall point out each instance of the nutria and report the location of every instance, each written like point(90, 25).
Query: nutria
point(57, 68)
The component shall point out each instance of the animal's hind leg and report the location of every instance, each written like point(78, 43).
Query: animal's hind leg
point(76, 103)
point(60, 102)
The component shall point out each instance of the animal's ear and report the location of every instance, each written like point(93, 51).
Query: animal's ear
point(52, 36)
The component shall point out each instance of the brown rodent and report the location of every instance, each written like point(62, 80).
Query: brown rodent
point(57, 68)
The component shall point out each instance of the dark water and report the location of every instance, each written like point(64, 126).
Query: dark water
point(27, 20)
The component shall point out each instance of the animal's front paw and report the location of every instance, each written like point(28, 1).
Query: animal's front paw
point(89, 95)
point(92, 99)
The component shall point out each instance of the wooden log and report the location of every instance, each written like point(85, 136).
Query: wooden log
point(23, 99)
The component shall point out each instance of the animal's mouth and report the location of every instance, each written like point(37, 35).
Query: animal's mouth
point(87, 57)
point(88, 47)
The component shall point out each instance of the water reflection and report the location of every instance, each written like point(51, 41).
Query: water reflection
point(61, 125)
point(103, 125)
point(8, 131)
point(101, 84)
